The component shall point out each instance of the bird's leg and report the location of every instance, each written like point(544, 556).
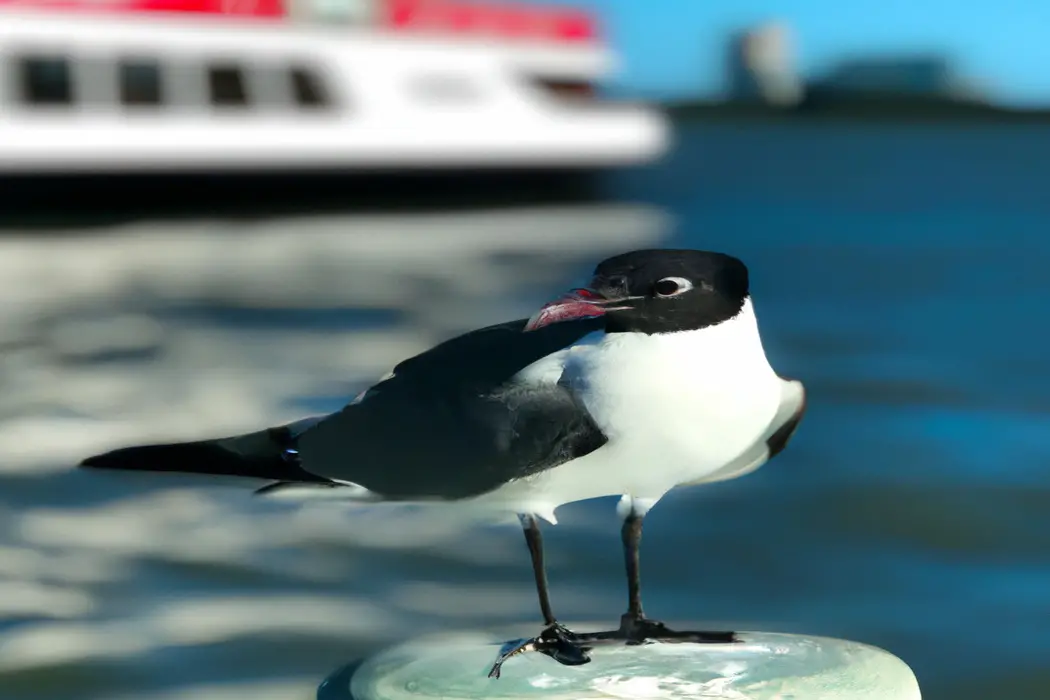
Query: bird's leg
point(570, 648)
point(555, 640)
point(635, 627)
point(631, 536)
point(534, 539)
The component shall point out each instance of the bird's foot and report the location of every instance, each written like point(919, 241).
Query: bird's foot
point(570, 648)
point(638, 629)
point(556, 641)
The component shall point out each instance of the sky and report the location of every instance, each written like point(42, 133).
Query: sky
point(675, 48)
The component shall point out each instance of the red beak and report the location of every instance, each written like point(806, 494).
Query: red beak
point(577, 303)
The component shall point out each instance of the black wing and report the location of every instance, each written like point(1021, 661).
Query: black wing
point(451, 424)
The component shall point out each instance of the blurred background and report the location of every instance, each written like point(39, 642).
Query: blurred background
point(218, 217)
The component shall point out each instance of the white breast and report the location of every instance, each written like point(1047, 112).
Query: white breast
point(676, 407)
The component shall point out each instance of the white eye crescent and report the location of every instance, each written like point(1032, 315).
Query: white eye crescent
point(672, 286)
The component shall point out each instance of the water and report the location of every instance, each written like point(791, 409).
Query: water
point(899, 271)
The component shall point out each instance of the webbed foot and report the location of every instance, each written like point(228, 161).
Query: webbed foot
point(556, 641)
point(570, 648)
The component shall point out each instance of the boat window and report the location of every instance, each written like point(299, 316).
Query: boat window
point(226, 86)
point(307, 88)
point(140, 83)
point(45, 80)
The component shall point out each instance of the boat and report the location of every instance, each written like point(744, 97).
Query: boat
point(105, 87)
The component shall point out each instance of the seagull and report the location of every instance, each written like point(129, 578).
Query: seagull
point(651, 377)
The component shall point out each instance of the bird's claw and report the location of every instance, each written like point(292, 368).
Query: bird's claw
point(555, 641)
point(562, 645)
point(570, 648)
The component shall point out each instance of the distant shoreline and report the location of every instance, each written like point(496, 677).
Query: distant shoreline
point(836, 107)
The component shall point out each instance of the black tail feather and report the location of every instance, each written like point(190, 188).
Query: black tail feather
point(256, 456)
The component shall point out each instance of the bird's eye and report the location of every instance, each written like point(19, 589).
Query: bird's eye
point(672, 286)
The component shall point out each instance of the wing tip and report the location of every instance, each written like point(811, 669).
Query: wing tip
point(106, 460)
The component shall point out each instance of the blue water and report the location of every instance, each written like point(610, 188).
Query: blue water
point(900, 272)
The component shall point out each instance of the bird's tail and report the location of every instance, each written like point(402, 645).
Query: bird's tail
point(267, 455)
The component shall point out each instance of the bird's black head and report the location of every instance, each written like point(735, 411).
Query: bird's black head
point(656, 291)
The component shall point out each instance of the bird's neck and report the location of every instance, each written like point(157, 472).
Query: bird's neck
point(725, 352)
point(677, 406)
point(630, 376)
